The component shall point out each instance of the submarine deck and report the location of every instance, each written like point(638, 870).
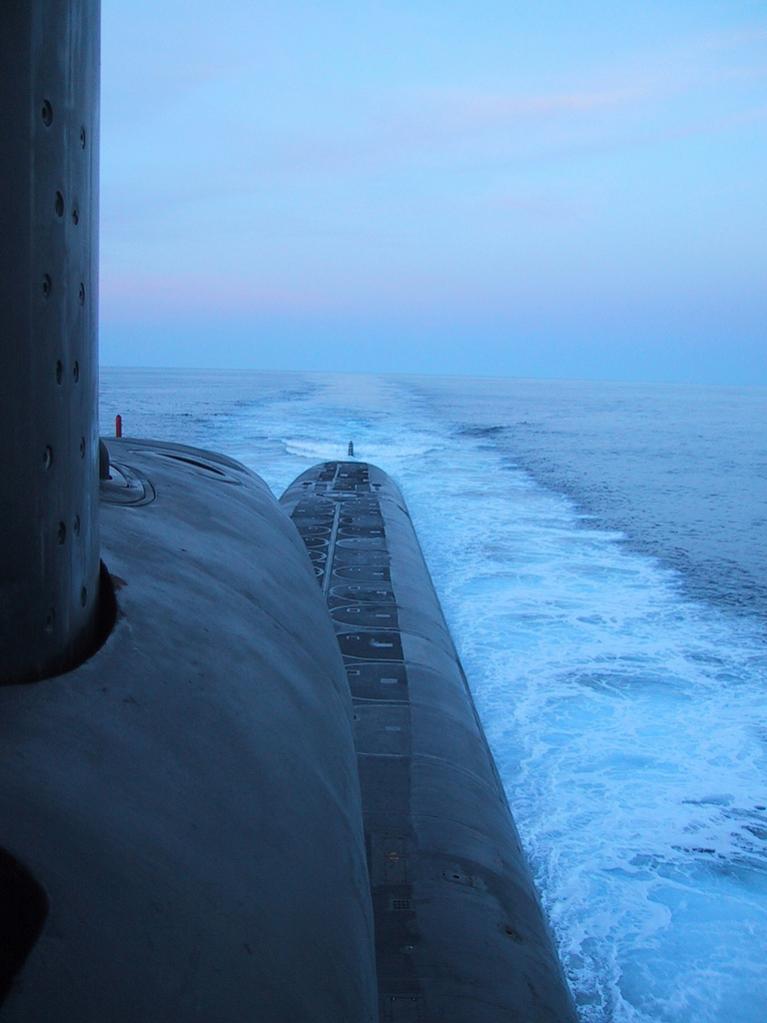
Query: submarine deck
point(459, 932)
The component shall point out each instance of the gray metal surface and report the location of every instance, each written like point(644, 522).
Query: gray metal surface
point(188, 798)
point(460, 936)
point(49, 557)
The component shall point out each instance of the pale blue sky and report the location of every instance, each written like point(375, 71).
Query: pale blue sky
point(550, 188)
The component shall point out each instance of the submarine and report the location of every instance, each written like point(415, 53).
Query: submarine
point(242, 774)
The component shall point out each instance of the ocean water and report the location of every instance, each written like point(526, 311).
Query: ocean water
point(600, 551)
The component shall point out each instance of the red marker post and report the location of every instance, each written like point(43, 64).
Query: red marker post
point(118, 426)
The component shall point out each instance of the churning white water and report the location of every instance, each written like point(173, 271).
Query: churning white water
point(626, 712)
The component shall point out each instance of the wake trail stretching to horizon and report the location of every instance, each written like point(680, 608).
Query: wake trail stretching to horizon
point(620, 679)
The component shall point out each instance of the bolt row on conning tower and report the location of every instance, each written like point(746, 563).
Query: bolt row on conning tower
point(49, 564)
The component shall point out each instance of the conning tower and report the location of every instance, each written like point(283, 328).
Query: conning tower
point(49, 564)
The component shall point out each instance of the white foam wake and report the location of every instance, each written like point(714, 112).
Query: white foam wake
point(628, 725)
point(628, 721)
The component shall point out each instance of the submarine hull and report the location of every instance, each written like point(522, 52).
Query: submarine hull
point(187, 831)
point(460, 934)
point(187, 800)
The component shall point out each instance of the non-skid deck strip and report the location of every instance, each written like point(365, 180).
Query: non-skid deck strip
point(459, 933)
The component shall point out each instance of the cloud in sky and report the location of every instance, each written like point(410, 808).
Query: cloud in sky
point(358, 167)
